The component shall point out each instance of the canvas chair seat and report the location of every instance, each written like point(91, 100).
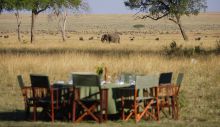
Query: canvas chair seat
point(144, 98)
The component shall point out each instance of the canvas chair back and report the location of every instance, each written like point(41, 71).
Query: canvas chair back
point(179, 82)
point(165, 78)
point(147, 81)
point(20, 81)
point(86, 80)
point(126, 77)
point(41, 81)
point(179, 79)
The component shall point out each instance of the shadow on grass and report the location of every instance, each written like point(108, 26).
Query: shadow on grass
point(170, 51)
point(18, 115)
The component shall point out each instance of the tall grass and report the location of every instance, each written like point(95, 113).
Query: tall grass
point(200, 87)
point(143, 55)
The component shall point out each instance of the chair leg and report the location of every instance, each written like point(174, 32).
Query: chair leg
point(27, 111)
point(139, 116)
point(158, 110)
point(34, 113)
point(101, 116)
point(74, 112)
point(122, 108)
point(103, 113)
point(177, 108)
point(106, 114)
point(173, 108)
point(127, 118)
point(52, 113)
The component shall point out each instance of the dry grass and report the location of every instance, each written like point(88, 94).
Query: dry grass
point(49, 55)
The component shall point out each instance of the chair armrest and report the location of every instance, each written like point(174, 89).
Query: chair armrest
point(166, 90)
point(104, 88)
point(27, 91)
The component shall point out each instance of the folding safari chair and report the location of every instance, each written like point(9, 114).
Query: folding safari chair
point(43, 96)
point(141, 105)
point(89, 105)
point(170, 92)
point(165, 79)
point(166, 91)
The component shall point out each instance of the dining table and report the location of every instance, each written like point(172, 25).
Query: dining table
point(114, 94)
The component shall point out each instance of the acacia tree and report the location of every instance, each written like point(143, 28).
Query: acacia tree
point(173, 9)
point(15, 6)
point(60, 8)
point(36, 7)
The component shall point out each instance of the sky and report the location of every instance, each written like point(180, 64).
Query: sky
point(117, 7)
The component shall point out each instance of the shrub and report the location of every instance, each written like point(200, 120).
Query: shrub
point(100, 69)
point(91, 38)
point(138, 26)
point(173, 49)
point(218, 46)
point(81, 38)
point(157, 39)
point(199, 50)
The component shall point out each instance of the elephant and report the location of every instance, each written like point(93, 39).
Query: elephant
point(114, 37)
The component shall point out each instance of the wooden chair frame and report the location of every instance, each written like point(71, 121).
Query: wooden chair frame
point(171, 93)
point(166, 91)
point(88, 110)
point(135, 108)
point(145, 103)
point(103, 102)
point(39, 94)
point(44, 96)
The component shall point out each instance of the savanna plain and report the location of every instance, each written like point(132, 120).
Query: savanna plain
point(154, 48)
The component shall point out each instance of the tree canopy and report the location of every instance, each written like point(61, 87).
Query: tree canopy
point(160, 8)
point(37, 6)
point(173, 9)
point(10, 5)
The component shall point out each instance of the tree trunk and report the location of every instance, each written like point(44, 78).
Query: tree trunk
point(33, 17)
point(185, 37)
point(62, 23)
point(64, 28)
point(18, 24)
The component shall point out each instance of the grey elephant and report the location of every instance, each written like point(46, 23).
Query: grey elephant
point(113, 37)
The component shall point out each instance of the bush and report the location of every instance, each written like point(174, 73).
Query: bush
point(100, 69)
point(178, 50)
point(218, 46)
point(198, 50)
point(138, 26)
point(173, 49)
